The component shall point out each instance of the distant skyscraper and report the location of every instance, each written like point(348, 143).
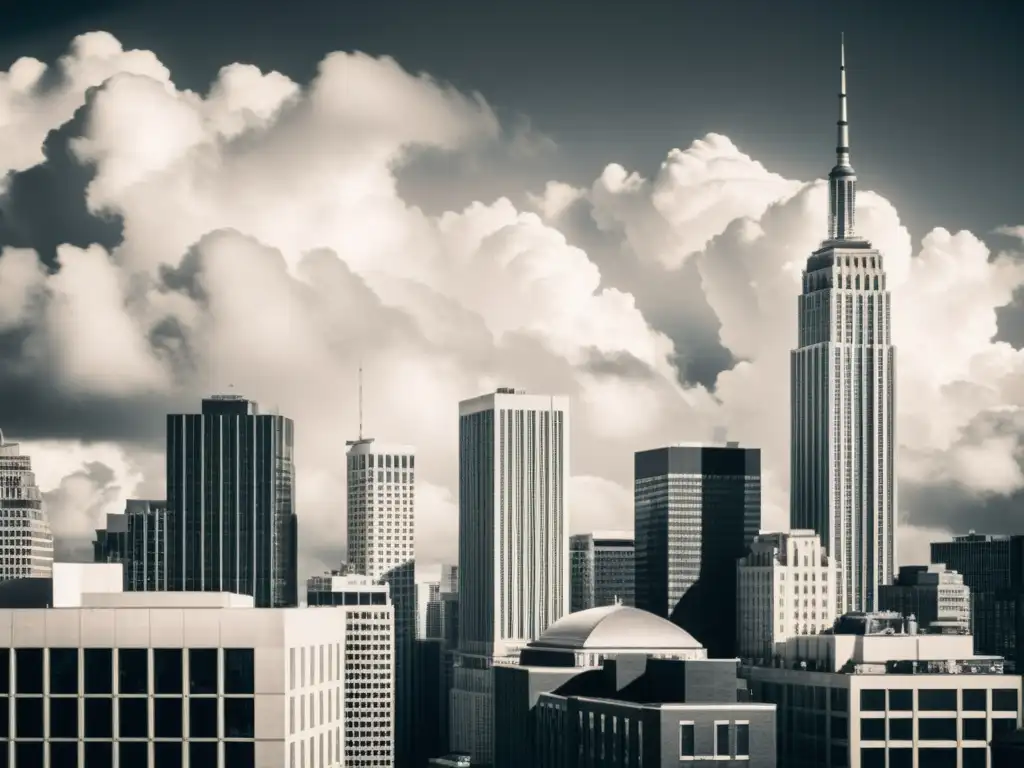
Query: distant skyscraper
point(428, 609)
point(449, 578)
point(381, 545)
point(786, 586)
point(231, 502)
point(842, 464)
point(932, 594)
point(697, 508)
point(601, 568)
point(24, 528)
point(138, 539)
point(513, 545)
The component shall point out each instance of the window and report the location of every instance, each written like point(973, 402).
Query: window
point(1003, 725)
point(239, 670)
point(721, 738)
point(99, 753)
point(133, 753)
point(901, 757)
point(202, 670)
point(64, 754)
point(98, 666)
point(167, 676)
point(63, 670)
point(872, 757)
point(1004, 700)
point(687, 741)
point(28, 753)
point(167, 718)
point(742, 739)
point(240, 754)
point(29, 670)
point(202, 753)
point(839, 700)
point(975, 729)
point(936, 701)
point(872, 729)
point(167, 754)
point(133, 670)
point(64, 718)
point(872, 700)
point(133, 719)
point(975, 757)
point(975, 700)
point(901, 701)
point(202, 718)
point(937, 757)
point(5, 670)
point(239, 718)
point(936, 729)
point(901, 729)
point(839, 727)
point(99, 720)
point(29, 713)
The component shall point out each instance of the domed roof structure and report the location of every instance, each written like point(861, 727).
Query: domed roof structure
point(615, 627)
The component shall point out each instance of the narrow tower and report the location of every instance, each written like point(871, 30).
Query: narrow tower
point(842, 390)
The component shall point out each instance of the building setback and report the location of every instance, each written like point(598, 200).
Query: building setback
point(602, 570)
point(842, 398)
point(697, 509)
point(25, 535)
point(230, 501)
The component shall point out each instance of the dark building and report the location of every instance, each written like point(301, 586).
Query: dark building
point(138, 539)
point(231, 502)
point(601, 569)
point(993, 569)
point(430, 700)
point(697, 509)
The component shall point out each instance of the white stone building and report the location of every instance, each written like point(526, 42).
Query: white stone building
point(169, 679)
point(785, 586)
point(26, 541)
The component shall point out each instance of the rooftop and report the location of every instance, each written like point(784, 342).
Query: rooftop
point(615, 627)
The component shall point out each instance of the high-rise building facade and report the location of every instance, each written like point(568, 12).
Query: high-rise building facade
point(24, 527)
point(932, 594)
point(513, 545)
point(368, 671)
point(382, 546)
point(428, 609)
point(843, 395)
point(601, 569)
point(696, 510)
point(231, 502)
point(786, 586)
point(138, 539)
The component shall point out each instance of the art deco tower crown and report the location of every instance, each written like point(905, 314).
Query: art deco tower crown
point(842, 180)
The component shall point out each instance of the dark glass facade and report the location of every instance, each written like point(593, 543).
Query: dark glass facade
point(697, 509)
point(230, 500)
point(601, 571)
point(138, 539)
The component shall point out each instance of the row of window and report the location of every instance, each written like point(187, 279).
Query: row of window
point(93, 718)
point(138, 671)
point(930, 728)
point(971, 700)
point(136, 754)
point(738, 747)
point(927, 757)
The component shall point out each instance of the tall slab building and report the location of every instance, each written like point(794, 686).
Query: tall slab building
point(697, 508)
point(513, 545)
point(24, 527)
point(843, 393)
point(231, 502)
point(382, 546)
point(602, 569)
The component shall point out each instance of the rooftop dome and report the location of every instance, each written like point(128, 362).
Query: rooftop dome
point(615, 627)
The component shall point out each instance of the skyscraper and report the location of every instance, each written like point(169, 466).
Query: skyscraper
point(696, 510)
point(381, 545)
point(601, 566)
point(137, 538)
point(513, 545)
point(24, 528)
point(842, 464)
point(231, 503)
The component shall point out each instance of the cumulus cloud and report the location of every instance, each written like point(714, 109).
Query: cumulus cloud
point(264, 244)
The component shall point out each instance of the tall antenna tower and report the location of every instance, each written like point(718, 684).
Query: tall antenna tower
point(361, 439)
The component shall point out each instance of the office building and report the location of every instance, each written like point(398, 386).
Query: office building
point(26, 541)
point(993, 570)
point(382, 546)
point(513, 546)
point(231, 502)
point(428, 609)
point(617, 686)
point(369, 664)
point(163, 679)
point(786, 586)
point(431, 697)
point(878, 694)
point(449, 578)
point(933, 594)
point(842, 407)
point(601, 569)
point(138, 539)
point(697, 509)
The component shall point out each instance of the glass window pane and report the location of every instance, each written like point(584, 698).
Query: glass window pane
point(167, 672)
point(5, 670)
point(901, 729)
point(99, 753)
point(975, 729)
point(742, 740)
point(1004, 700)
point(239, 670)
point(937, 757)
point(936, 701)
point(167, 718)
point(239, 718)
point(98, 665)
point(901, 757)
point(936, 729)
point(63, 670)
point(202, 670)
point(64, 718)
point(133, 718)
point(240, 754)
point(29, 670)
point(975, 700)
point(721, 739)
point(202, 719)
point(28, 753)
point(872, 757)
point(901, 701)
point(133, 670)
point(99, 719)
point(135, 753)
point(202, 753)
point(872, 700)
point(686, 740)
point(167, 754)
point(872, 729)
point(5, 720)
point(975, 757)
point(64, 754)
point(29, 714)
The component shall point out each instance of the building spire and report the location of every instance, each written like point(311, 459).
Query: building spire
point(842, 181)
point(360, 399)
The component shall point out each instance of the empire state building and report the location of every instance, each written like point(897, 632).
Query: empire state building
point(842, 390)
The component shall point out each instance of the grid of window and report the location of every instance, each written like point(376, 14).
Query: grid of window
point(148, 704)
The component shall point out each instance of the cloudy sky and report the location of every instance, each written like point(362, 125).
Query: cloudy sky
point(612, 203)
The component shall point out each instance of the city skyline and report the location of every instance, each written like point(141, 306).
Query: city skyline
point(415, 295)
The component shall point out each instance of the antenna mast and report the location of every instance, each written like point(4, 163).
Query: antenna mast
point(360, 399)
